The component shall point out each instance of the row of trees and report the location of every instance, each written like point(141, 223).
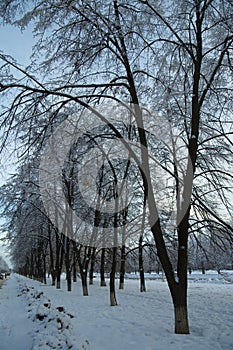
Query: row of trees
point(175, 59)
point(38, 247)
point(3, 265)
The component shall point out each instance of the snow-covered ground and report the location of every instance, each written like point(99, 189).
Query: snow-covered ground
point(36, 316)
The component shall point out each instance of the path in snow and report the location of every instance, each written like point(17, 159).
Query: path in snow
point(15, 327)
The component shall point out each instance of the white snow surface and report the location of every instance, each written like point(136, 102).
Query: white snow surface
point(35, 316)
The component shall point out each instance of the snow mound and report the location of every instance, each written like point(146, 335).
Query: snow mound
point(227, 276)
point(53, 325)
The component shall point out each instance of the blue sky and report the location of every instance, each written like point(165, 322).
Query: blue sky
point(16, 43)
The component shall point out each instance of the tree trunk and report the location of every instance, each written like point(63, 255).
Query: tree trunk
point(44, 269)
point(181, 311)
point(181, 319)
point(68, 278)
point(180, 295)
point(68, 267)
point(60, 260)
point(140, 248)
point(53, 274)
point(113, 301)
point(31, 268)
point(52, 267)
point(141, 268)
point(74, 258)
point(91, 272)
point(83, 263)
point(125, 214)
point(158, 267)
point(178, 289)
point(203, 267)
point(58, 270)
point(122, 268)
point(74, 272)
point(84, 282)
point(102, 270)
point(58, 279)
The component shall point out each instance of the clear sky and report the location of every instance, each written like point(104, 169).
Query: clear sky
point(16, 43)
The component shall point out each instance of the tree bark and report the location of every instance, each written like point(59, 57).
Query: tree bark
point(91, 272)
point(31, 266)
point(140, 248)
point(58, 269)
point(44, 269)
point(83, 263)
point(68, 266)
point(113, 301)
point(74, 258)
point(141, 268)
point(84, 282)
point(58, 279)
point(122, 267)
point(53, 274)
point(59, 258)
point(203, 267)
point(102, 268)
point(181, 310)
point(51, 256)
point(181, 319)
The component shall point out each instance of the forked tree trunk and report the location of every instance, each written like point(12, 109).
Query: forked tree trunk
point(178, 288)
